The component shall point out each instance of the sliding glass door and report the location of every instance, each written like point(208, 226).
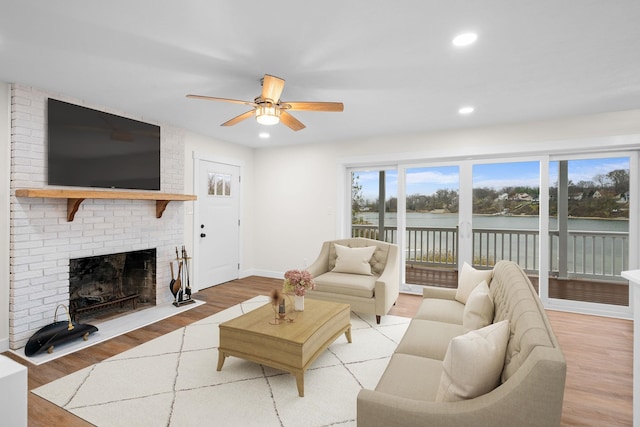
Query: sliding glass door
point(568, 222)
point(506, 214)
point(475, 213)
point(589, 214)
point(431, 225)
point(374, 204)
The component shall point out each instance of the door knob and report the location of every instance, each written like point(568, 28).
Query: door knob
point(203, 235)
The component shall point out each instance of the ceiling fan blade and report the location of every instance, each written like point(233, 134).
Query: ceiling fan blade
point(290, 121)
point(238, 119)
point(213, 98)
point(272, 88)
point(313, 106)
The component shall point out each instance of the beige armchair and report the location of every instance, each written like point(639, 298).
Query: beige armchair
point(370, 289)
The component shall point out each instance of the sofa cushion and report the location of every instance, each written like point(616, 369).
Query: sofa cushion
point(468, 279)
point(473, 363)
point(378, 260)
point(353, 260)
point(428, 338)
point(424, 374)
point(346, 284)
point(448, 311)
point(478, 311)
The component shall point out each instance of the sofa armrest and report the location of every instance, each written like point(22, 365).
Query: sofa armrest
point(387, 287)
point(532, 397)
point(321, 264)
point(438, 292)
point(377, 409)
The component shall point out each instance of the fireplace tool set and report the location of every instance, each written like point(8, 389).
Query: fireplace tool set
point(180, 286)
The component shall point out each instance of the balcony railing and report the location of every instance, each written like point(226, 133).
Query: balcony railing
point(590, 254)
point(493, 245)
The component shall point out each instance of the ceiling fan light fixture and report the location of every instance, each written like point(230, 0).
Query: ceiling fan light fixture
point(464, 39)
point(268, 109)
point(267, 114)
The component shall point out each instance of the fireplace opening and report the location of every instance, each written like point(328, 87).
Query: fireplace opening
point(107, 286)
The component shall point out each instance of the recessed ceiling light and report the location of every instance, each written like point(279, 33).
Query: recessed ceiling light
point(264, 135)
point(466, 110)
point(465, 39)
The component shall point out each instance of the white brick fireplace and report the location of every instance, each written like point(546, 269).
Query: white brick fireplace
point(43, 241)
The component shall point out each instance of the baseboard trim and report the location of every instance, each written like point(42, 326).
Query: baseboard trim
point(263, 273)
point(4, 345)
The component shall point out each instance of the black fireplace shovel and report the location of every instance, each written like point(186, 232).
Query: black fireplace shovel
point(173, 281)
point(177, 286)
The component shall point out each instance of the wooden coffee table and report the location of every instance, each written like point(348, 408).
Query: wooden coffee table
point(289, 346)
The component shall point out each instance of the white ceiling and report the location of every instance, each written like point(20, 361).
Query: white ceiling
point(391, 63)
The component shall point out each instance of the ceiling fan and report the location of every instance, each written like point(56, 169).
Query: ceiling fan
point(270, 110)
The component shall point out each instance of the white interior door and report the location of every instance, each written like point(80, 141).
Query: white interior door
point(218, 223)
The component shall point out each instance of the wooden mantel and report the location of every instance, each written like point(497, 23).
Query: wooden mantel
point(76, 197)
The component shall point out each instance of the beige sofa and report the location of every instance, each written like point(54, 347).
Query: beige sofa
point(372, 291)
point(529, 387)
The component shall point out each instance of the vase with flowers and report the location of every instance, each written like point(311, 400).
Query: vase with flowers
point(298, 282)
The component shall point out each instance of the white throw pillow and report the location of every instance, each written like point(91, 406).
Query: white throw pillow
point(353, 260)
point(478, 311)
point(468, 279)
point(473, 363)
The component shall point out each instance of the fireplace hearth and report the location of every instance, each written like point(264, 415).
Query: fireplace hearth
point(113, 282)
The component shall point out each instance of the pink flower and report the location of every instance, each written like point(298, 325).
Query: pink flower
point(298, 282)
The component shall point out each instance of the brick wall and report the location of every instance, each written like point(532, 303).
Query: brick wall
point(42, 241)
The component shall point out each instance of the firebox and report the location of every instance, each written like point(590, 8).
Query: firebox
point(113, 282)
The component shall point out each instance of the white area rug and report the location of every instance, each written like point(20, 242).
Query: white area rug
point(172, 380)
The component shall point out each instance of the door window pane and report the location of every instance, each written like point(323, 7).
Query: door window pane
point(219, 184)
point(431, 235)
point(374, 207)
point(589, 229)
point(506, 213)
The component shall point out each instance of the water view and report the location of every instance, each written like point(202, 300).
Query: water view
point(517, 222)
point(594, 247)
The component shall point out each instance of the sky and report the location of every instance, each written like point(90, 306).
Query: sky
point(428, 180)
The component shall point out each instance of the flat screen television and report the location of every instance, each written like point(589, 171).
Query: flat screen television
point(90, 148)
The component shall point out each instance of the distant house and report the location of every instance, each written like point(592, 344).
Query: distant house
point(596, 195)
point(524, 197)
point(503, 196)
point(623, 197)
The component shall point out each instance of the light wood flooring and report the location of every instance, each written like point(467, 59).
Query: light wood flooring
point(598, 291)
point(599, 354)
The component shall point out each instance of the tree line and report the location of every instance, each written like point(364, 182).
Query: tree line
point(605, 196)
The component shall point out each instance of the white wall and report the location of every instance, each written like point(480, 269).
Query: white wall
point(298, 189)
point(5, 166)
point(559, 135)
point(295, 205)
